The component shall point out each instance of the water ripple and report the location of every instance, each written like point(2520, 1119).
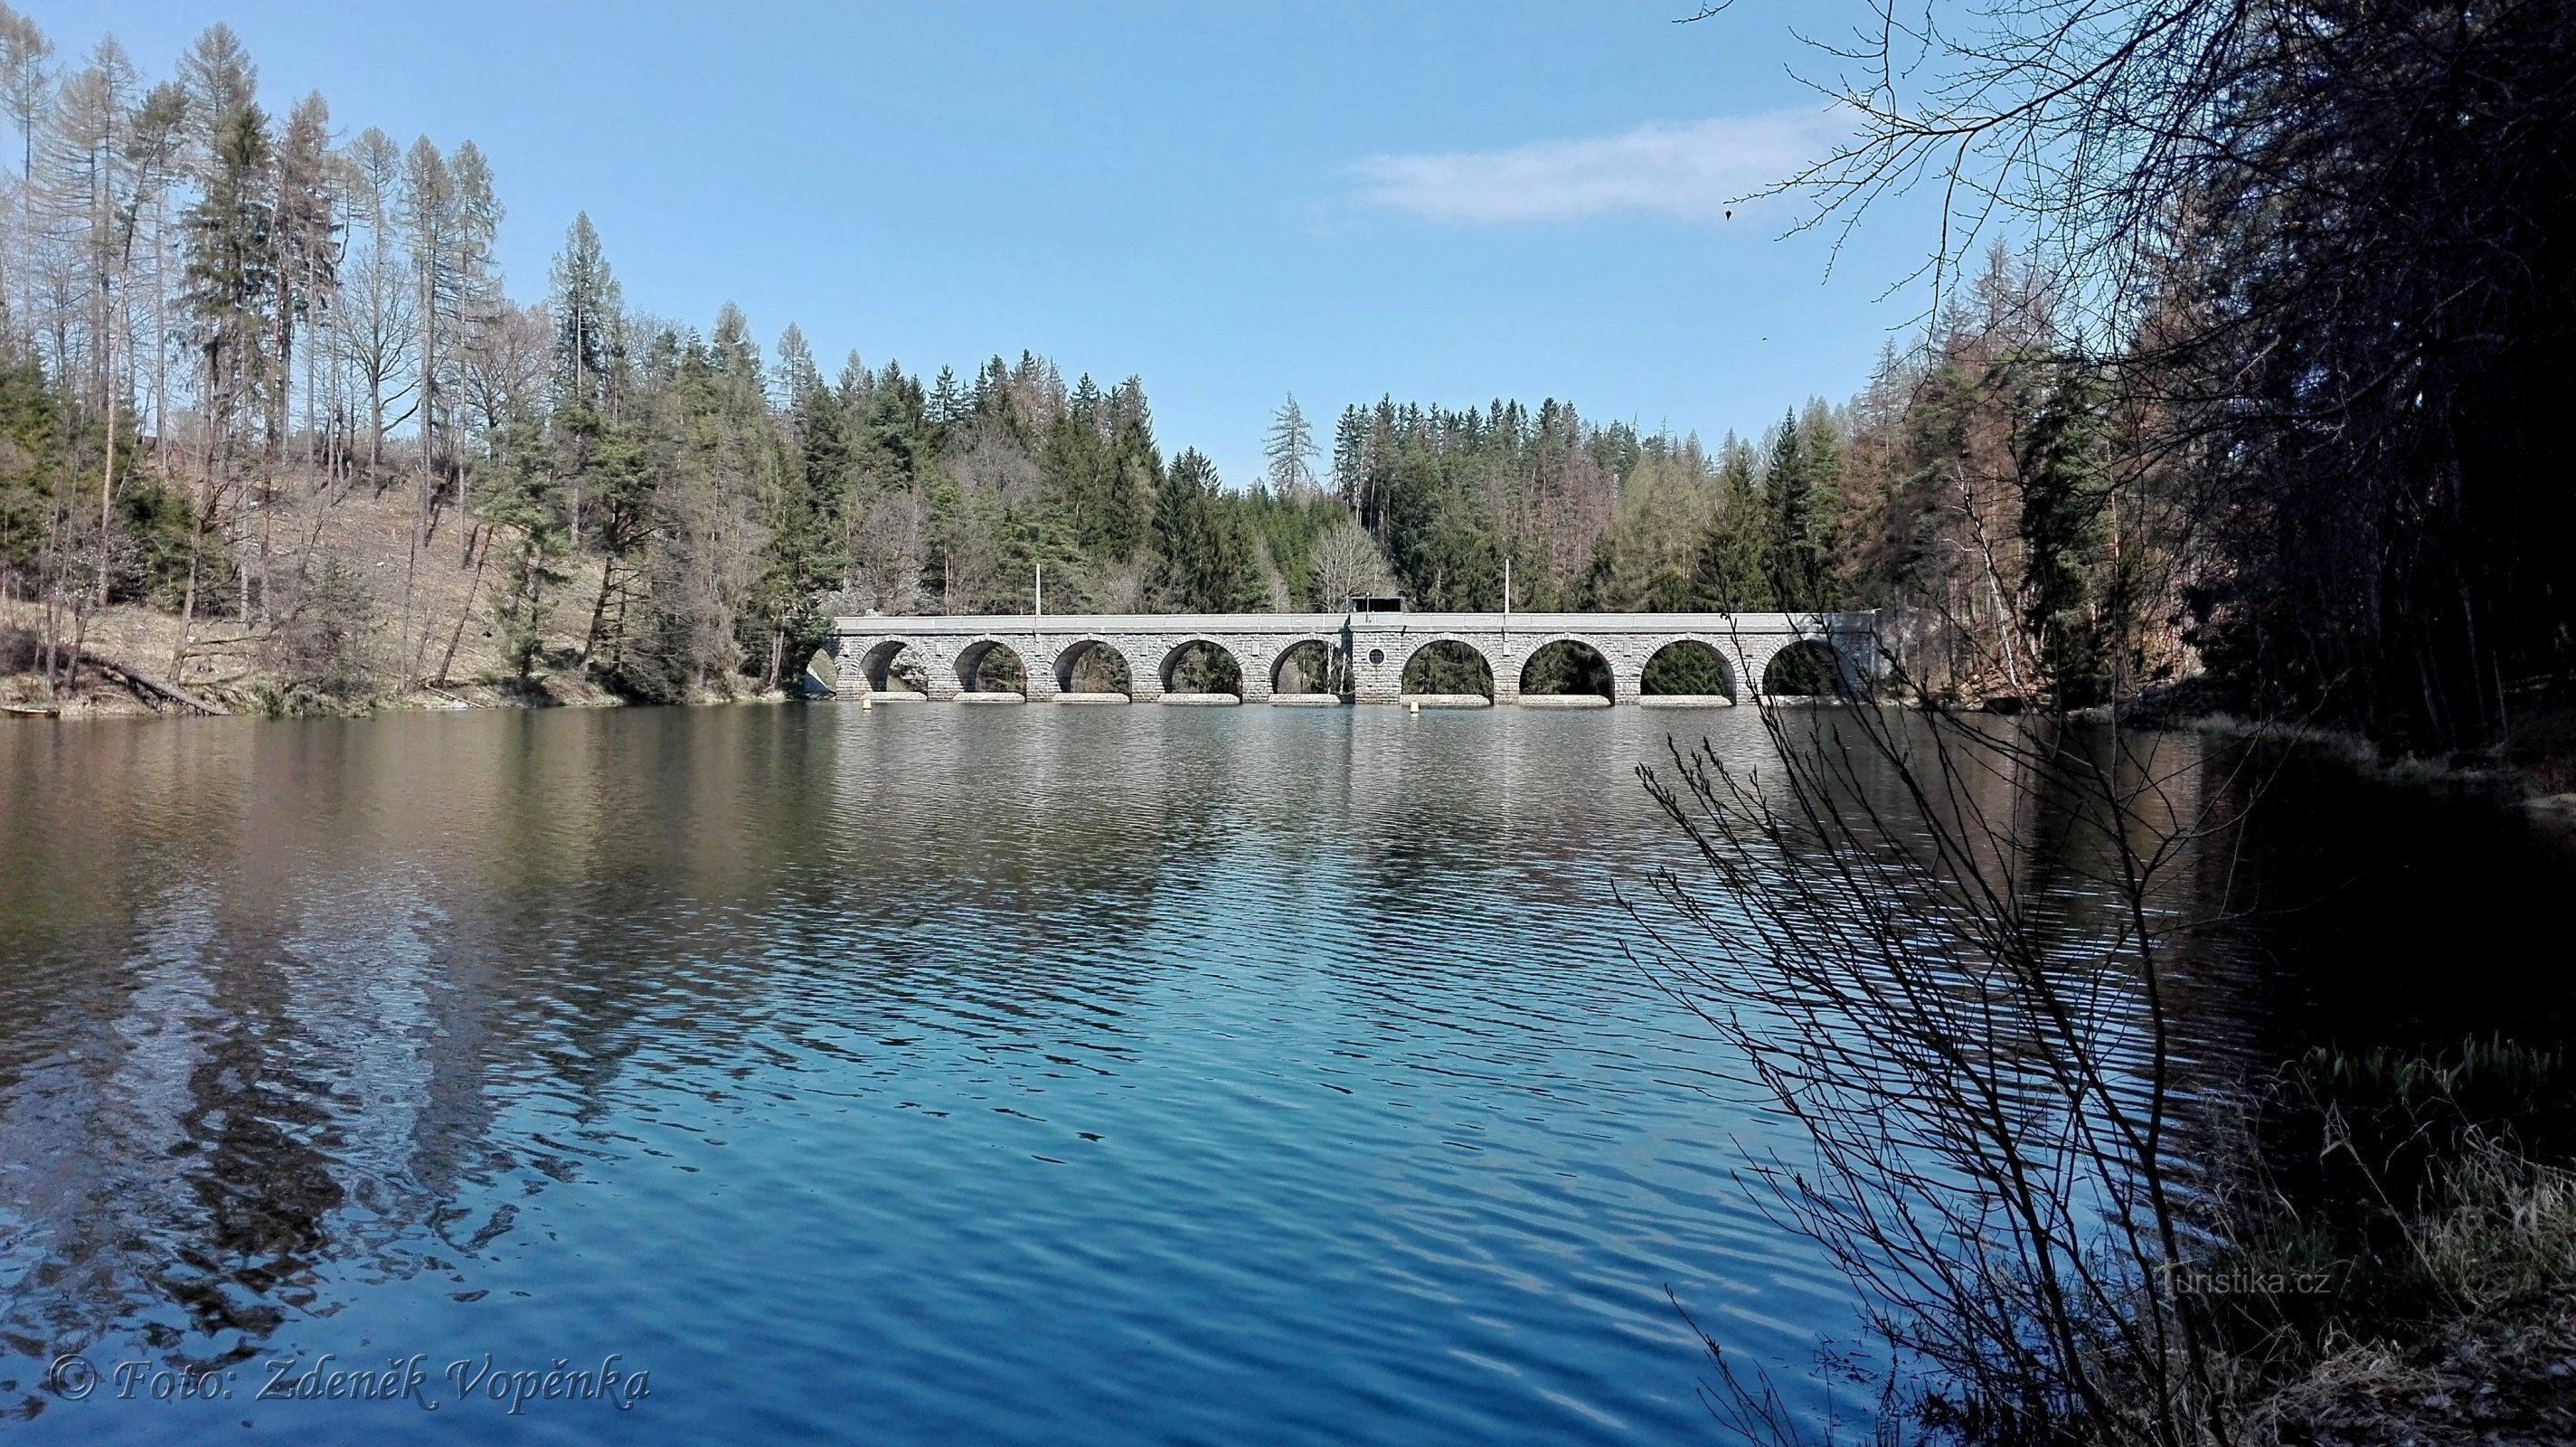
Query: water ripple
point(928, 1075)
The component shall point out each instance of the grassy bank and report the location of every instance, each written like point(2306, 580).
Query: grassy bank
point(2392, 1256)
point(333, 618)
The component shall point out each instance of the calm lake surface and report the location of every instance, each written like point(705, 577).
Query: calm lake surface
point(915, 1075)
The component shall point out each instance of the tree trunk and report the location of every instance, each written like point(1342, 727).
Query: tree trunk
point(107, 473)
point(598, 611)
point(49, 573)
point(466, 613)
point(196, 555)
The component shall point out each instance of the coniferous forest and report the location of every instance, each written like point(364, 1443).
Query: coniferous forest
point(231, 317)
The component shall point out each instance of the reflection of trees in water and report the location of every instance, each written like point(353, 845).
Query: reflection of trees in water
point(206, 1147)
point(242, 1082)
point(298, 1062)
point(306, 1059)
point(1997, 972)
point(1955, 952)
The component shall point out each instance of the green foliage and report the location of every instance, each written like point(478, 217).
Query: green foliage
point(1451, 495)
point(1802, 670)
point(1801, 482)
point(1289, 535)
point(1094, 479)
point(232, 254)
point(2392, 1187)
point(325, 648)
point(49, 456)
point(1441, 536)
point(1204, 668)
point(1685, 668)
point(34, 466)
point(528, 503)
point(732, 521)
point(157, 525)
point(733, 511)
point(1567, 667)
point(1645, 559)
point(802, 562)
point(1734, 570)
point(1447, 667)
point(2066, 531)
point(1204, 550)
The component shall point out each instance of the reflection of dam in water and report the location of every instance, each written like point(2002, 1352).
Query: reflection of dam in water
point(1356, 657)
point(1193, 1071)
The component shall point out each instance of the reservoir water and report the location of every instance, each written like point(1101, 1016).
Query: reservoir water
point(909, 1075)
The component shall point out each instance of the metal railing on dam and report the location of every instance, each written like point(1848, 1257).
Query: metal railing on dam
point(1358, 657)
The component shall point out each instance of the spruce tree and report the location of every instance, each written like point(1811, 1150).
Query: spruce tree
point(231, 273)
point(526, 502)
point(1205, 560)
point(2065, 529)
point(1733, 571)
point(1797, 542)
point(1290, 451)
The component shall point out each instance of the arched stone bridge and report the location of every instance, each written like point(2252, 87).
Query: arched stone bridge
point(1363, 654)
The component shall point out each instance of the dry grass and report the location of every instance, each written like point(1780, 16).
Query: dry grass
point(2464, 1330)
point(286, 543)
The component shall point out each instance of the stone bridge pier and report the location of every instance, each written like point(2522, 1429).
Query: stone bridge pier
point(1369, 654)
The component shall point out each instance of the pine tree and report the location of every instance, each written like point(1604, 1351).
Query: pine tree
point(231, 280)
point(1350, 456)
point(1733, 572)
point(527, 503)
point(802, 560)
point(2065, 529)
point(1290, 451)
point(1205, 551)
point(1135, 479)
point(308, 248)
point(586, 306)
point(948, 402)
point(1798, 564)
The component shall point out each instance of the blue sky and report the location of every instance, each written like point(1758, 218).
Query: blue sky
point(1449, 202)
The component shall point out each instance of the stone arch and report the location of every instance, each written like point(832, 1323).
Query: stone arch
point(1446, 660)
point(1316, 661)
point(819, 676)
point(882, 667)
point(1567, 664)
point(1188, 667)
point(989, 665)
point(1690, 667)
point(1809, 668)
point(1094, 665)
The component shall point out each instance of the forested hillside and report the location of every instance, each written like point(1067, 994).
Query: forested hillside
point(229, 325)
point(263, 385)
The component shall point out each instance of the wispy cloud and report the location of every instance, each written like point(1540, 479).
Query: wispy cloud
point(1694, 172)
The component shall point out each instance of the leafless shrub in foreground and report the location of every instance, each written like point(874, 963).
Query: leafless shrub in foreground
point(1942, 946)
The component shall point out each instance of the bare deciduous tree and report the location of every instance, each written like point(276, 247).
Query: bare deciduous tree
point(1942, 946)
